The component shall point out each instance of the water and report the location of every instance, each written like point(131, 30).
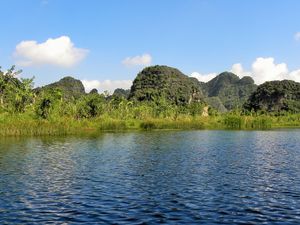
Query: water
point(225, 177)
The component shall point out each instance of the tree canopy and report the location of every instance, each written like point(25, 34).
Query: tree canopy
point(165, 82)
point(275, 96)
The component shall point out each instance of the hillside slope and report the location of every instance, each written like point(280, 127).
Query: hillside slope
point(165, 82)
point(232, 91)
point(276, 96)
point(69, 86)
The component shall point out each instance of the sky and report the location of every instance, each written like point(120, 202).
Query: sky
point(105, 43)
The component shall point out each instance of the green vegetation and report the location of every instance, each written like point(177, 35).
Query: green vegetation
point(276, 97)
point(165, 100)
point(157, 82)
point(70, 87)
point(231, 91)
point(224, 93)
point(119, 92)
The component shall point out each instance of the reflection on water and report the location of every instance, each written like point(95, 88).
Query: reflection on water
point(174, 177)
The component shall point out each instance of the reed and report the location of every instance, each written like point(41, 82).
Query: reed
point(27, 125)
point(247, 122)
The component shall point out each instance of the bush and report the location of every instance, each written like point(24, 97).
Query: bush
point(89, 106)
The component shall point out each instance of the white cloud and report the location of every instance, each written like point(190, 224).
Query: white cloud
point(297, 36)
point(204, 77)
point(106, 85)
point(294, 75)
point(239, 70)
point(58, 52)
point(139, 60)
point(262, 70)
point(236, 69)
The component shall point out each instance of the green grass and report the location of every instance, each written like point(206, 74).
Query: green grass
point(246, 122)
point(26, 125)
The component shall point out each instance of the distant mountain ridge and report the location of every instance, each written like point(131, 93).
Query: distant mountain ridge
point(69, 86)
point(163, 81)
point(119, 92)
point(225, 92)
point(232, 91)
point(275, 96)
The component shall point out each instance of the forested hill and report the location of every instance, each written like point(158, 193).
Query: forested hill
point(276, 96)
point(225, 92)
point(165, 82)
point(161, 97)
point(228, 89)
point(69, 86)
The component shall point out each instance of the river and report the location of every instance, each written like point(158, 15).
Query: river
point(174, 177)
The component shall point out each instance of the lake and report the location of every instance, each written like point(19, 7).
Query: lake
point(174, 177)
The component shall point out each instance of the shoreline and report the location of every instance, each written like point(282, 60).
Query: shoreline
point(18, 126)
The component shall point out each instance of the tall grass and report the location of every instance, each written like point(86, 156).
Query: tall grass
point(26, 125)
point(172, 124)
point(247, 122)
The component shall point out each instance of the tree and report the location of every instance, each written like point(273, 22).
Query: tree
point(47, 101)
point(90, 105)
point(8, 81)
point(15, 93)
point(23, 95)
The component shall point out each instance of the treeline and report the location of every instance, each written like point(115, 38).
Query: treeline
point(18, 97)
point(50, 110)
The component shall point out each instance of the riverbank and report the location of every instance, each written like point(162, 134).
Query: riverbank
point(20, 125)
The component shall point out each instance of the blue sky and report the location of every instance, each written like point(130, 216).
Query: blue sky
point(106, 43)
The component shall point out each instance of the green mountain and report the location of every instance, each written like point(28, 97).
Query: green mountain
point(165, 82)
point(120, 92)
point(276, 96)
point(225, 92)
point(232, 91)
point(93, 91)
point(216, 103)
point(69, 86)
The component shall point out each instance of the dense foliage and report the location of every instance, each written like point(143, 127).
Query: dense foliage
point(15, 94)
point(177, 103)
point(225, 92)
point(165, 82)
point(231, 91)
point(276, 96)
point(70, 87)
point(67, 98)
point(216, 103)
point(119, 92)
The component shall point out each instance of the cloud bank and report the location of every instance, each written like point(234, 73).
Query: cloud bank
point(54, 51)
point(262, 70)
point(139, 60)
point(204, 77)
point(106, 85)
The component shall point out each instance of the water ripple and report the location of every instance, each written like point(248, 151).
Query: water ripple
point(191, 177)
